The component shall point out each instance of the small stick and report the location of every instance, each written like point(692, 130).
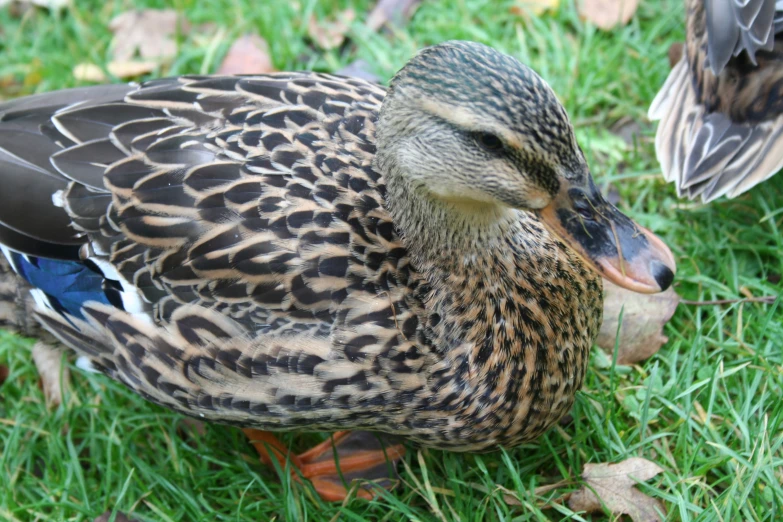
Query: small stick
point(769, 299)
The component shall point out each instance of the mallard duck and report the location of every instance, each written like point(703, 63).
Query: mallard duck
point(721, 109)
point(305, 251)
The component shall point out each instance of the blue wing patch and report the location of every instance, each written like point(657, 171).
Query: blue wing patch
point(66, 284)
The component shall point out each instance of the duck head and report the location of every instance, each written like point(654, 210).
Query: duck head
point(476, 129)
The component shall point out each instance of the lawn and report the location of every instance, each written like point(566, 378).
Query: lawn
point(707, 407)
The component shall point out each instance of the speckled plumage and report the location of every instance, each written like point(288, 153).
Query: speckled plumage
point(721, 109)
point(271, 260)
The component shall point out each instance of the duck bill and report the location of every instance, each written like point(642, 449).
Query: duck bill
point(622, 251)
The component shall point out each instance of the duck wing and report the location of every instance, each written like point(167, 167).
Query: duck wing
point(723, 134)
point(219, 244)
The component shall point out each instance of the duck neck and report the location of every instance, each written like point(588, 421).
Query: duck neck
point(445, 233)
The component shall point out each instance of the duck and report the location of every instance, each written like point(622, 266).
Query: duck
point(303, 251)
point(720, 111)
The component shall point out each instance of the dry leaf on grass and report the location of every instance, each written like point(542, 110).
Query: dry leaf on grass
point(249, 54)
point(330, 33)
point(396, 12)
point(628, 129)
point(615, 486)
point(605, 14)
point(675, 53)
point(132, 68)
point(121, 517)
point(3, 373)
point(191, 428)
point(644, 316)
point(148, 32)
point(89, 72)
point(143, 41)
point(48, 360)
point(525, 8)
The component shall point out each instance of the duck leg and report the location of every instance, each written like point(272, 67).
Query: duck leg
point(361, 455)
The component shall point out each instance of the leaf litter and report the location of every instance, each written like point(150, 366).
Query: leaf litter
point(331, 32)
point(614, 486)
point(144, 40)
point(53, 374)
point(391, 12)
point(249, 54)
point(526, 8)
point(644, 316)
point(386, 13)
point(606, 14)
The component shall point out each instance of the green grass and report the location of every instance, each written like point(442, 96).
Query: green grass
point(708, 407)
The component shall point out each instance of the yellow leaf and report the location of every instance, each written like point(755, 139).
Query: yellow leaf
point(525, 8)
point(131, 68)
point(89, 72)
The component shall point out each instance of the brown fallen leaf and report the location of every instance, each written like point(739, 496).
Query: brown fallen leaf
point(330, 33)
point(614, 485)
point(628, 129)
point(143, 41)
point(644, 316)
point(605, 14)
point(675, 53)
point(88, 72)
point(120, 517)
point(249, 54)
point(48, 361)
point(524, 8)
point(396, 12)
point(3, 373)
point(146, 32)
point(191, 428)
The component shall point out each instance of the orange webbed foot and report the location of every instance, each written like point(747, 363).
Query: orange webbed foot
point(362, 456)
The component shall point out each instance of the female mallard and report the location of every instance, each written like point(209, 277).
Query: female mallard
point(305, 251)
point(721, 109)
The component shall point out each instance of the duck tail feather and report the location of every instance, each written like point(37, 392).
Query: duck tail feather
point(676, 108)
point(759, 159)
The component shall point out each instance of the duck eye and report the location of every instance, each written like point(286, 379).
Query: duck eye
point(489, 141)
